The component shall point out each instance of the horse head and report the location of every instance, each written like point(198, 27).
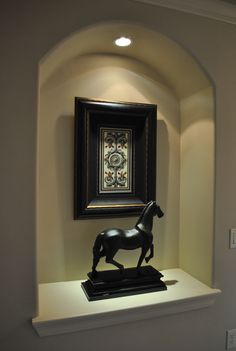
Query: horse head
point(157, 210)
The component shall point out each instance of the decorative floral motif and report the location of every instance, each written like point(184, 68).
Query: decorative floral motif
point(115, 159)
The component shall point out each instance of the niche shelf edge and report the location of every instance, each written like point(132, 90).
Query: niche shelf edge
point(63, 307)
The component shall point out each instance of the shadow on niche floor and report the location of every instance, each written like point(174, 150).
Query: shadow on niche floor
point(171, 282)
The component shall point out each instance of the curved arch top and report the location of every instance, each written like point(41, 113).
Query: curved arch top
point(161, 54)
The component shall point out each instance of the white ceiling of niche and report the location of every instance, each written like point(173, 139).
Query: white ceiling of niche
point(107, 63)
point(169, 60)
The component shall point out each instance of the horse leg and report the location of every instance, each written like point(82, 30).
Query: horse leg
point(96, 259)
point(95, 262)
point(109, 259)
point(147, 259)
point(141, 258)
point(102, 253)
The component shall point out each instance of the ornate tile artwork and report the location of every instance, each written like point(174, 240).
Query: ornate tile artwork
point(115, 166)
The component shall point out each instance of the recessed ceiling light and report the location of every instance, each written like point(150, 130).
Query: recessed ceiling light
point(123, 41)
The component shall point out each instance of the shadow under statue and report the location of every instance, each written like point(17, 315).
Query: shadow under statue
point(123, 282)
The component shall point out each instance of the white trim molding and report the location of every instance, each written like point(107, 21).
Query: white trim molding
point(215, 9)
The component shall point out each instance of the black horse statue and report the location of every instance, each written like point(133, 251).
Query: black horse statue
point(109, 241)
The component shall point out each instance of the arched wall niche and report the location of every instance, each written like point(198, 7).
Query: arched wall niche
point(153, 70)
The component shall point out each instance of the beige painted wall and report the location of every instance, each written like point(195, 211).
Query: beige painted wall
point(65, 245)
point(197, 185)
point(29, 29)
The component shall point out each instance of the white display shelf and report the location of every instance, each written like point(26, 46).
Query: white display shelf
point(64, 308)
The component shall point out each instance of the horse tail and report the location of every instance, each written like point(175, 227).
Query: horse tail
point(97, 245)
point(96, 252)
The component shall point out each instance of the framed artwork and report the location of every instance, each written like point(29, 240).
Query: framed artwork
point(115, 158)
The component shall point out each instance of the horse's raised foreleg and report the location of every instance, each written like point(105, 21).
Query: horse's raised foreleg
point(147, 259)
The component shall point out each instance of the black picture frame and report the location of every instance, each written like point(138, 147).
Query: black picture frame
point(95, 121)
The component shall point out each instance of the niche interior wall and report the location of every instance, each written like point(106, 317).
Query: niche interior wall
point(153, 70)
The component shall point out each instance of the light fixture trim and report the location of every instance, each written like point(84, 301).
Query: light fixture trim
point(123, 41)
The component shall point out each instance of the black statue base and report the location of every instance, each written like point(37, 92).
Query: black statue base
point(109, 284)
